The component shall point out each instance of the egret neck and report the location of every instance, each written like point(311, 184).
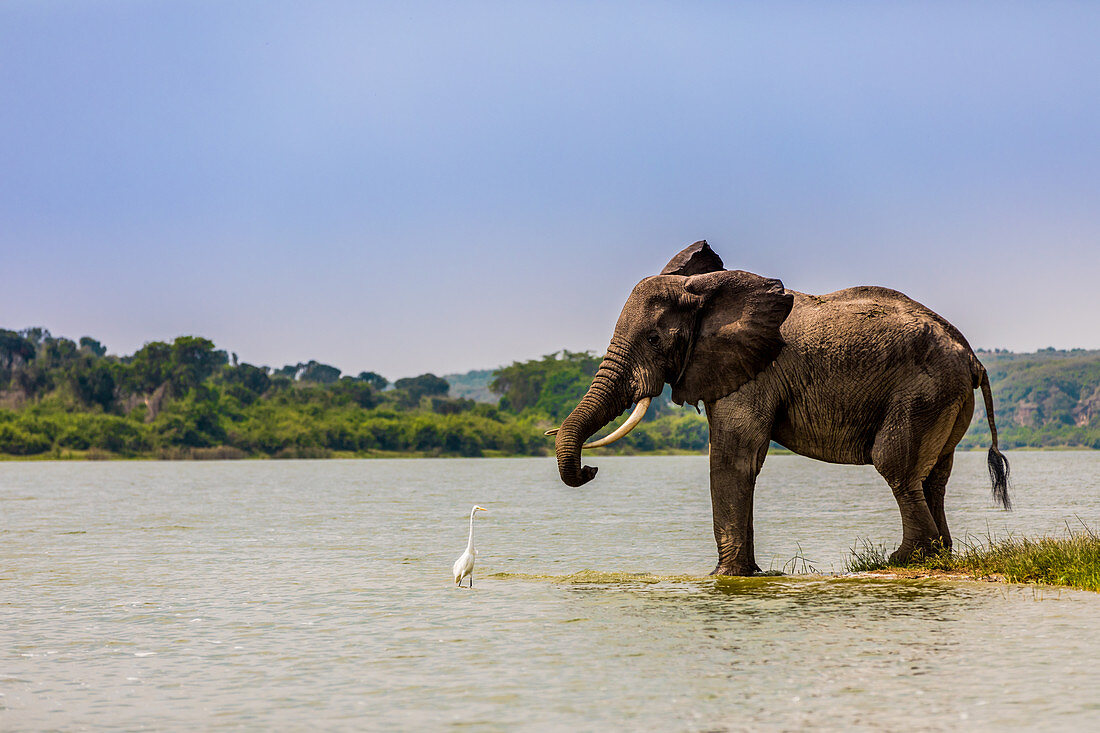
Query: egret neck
point(470, 544)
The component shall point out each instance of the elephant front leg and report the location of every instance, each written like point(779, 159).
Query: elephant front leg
point(735, 460)
point(731, 501)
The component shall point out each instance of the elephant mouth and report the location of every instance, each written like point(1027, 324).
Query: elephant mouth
point(621, 431)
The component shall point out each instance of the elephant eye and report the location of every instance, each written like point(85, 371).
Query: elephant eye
point(653, 338)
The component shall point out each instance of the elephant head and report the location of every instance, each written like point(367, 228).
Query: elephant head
point(703, 329)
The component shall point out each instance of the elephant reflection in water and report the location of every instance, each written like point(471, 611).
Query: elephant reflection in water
point(864, 375)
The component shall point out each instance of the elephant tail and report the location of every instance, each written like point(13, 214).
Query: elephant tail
point(998, 464)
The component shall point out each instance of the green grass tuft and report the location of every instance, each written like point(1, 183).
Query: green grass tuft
point(1072, 560)
point(867, 557)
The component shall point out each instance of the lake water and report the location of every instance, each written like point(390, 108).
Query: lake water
point(317, 595)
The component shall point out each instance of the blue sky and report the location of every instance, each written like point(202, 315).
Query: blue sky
point(415, 187)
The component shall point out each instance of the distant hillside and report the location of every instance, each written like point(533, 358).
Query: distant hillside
point(473, 385)
point(1048, 398)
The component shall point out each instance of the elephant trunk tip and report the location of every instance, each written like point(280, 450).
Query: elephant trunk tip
point(582, 477)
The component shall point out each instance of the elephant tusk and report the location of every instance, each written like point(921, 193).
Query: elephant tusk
point(626, 427)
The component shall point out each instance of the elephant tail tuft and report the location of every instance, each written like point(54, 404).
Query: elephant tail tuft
point(998, 464)
point(998, 472)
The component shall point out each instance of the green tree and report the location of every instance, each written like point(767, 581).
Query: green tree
point(92, 347)
point(552, 384)
point(246, 382)
point(311, 371)
point(57, 353)
point(36, 335)
point(149, 367)
point(32, 379)
point(373, 379)
point(93, 382)
point(191, 360)
point(15, 352)
point(315, 371)
point(425, 385)
point(357, 391)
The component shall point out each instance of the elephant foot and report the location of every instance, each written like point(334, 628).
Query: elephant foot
point(916, 551)
point(901, 556)
point(742, 569)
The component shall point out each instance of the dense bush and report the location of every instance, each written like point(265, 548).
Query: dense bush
point(20, 442)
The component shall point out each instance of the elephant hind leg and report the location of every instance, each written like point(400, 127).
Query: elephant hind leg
point(935, 486)
point(920, 532)
point(907, 450)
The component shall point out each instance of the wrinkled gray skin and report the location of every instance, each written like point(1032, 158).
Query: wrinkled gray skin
point(862, 375)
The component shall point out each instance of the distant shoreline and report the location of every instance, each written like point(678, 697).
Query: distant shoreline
point(66, 400)
point(217, 454)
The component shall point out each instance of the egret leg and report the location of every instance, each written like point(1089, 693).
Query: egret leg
point(471, 580)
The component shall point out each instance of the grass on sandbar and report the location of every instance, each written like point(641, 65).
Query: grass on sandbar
point(1072, 560)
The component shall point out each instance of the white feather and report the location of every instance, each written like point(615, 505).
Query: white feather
point(464, 565)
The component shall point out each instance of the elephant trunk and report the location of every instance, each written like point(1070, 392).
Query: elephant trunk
point(607, 397)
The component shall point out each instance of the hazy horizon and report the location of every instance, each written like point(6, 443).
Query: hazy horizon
point(435, 188)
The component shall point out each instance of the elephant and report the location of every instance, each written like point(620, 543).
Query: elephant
point(863, 375)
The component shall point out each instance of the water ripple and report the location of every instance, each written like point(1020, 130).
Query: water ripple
point(305, 594)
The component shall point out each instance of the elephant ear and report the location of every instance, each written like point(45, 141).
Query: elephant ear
point(697, 259)
point(737, 335)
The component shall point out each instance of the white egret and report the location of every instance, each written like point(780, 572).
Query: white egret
point(464, 565)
